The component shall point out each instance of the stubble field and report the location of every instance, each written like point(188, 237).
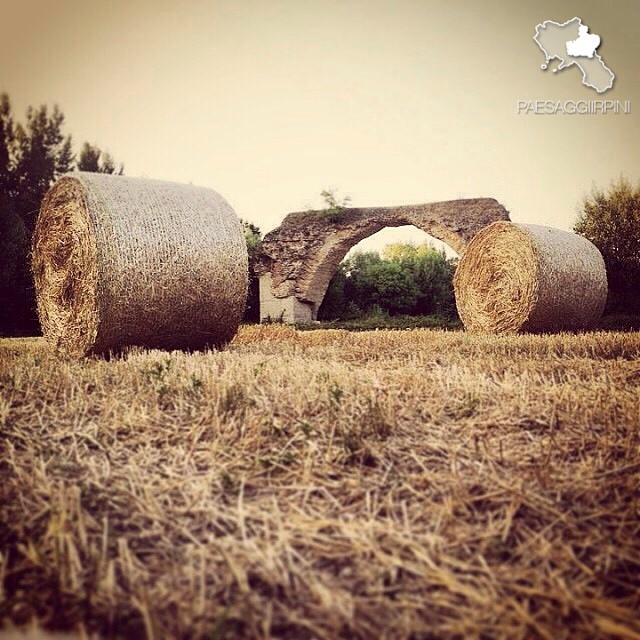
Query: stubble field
point(325, 484)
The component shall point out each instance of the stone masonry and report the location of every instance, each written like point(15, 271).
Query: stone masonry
point(299, 258)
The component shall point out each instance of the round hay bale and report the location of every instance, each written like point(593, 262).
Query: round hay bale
point(526, 277)
point(123, 261)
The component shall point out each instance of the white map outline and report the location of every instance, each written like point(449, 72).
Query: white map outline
point(563, 64)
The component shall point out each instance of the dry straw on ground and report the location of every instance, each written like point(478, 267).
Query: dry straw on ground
point(525, 277)
point(127, 261)
point(325, 485)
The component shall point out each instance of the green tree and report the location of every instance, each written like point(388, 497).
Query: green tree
point(93, 159)
point(253, 238)
point(14, 272)
point(13, 235)
point(395, 290)
point(611, 220)
point(432, 273)
point(334, 205)
point(359, 287)
point(32, 156)
point(41, 153)
point(405, 280)
point(7, 141)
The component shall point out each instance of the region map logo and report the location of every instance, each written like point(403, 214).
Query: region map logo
point(569, 44)
point(572, 44)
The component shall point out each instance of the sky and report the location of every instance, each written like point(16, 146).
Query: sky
point(388, 101)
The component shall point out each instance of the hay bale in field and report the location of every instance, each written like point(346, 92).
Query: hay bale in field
point(526, 277)
point(123, 261)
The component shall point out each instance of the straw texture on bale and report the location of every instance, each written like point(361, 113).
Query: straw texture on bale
point(525, 277)
point(121, 261)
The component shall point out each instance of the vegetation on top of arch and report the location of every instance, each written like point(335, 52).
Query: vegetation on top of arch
point(334, 206)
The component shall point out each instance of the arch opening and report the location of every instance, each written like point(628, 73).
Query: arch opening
point(406, 235)
point(396, 270)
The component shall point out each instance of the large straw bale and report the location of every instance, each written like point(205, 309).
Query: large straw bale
point(123, 261)
point(525, 277)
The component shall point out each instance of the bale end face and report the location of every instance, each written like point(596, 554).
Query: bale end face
point(64, 264)
point(496, 282)
point(516, 277)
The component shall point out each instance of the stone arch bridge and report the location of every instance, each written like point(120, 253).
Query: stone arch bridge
point(299, 258)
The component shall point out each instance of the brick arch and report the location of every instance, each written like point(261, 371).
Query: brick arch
point(300, 257)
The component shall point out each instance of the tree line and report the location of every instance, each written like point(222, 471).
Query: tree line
point(404, 280)
point(33, 155)
point(611, 220)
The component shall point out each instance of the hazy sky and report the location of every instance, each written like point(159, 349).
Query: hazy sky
point(391, 102)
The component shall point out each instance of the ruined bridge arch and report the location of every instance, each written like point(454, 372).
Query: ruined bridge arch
point(299, 258)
